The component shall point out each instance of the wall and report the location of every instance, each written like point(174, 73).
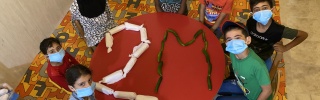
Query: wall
point(23, 25)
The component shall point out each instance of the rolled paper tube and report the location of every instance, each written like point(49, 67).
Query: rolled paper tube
point(135, 48)
point(145, 97)
point(114, 77)
point(124, 95)
point(117, 29)
point(104, 89)
point(132, 27)
point(146, 41)
point(143, 34)
point(129, 66)
point(140, 50)
point(109, 42)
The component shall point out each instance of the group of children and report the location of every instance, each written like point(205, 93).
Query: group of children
point(250, 47)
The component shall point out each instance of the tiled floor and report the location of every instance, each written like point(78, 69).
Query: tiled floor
point(302, 62)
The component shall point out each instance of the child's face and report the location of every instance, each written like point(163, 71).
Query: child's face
point(55, 48)
point(82, 82)
point(237, 34)
point(261, 6)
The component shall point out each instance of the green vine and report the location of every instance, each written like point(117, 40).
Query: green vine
point(204, 51)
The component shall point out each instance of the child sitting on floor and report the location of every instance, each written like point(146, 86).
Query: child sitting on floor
point(58, 61)
point(80, 83)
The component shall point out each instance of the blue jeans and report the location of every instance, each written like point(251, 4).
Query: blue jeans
point(217, 32)
point(14, 96)
point(268, 63)
point(230, 91)
point(230, 87)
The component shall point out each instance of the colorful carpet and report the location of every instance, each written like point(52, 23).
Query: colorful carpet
point(35, 83)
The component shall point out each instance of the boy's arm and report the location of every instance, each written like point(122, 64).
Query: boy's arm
point(266, 91)
point(157, 4)
point(201, 13)
point(301, 36)
point(182, 7)
point(218, 21)
point(262, 75)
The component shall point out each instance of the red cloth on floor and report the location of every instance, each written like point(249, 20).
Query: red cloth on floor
point(57, 73)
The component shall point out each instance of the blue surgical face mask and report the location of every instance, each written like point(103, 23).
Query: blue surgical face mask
point(84, 92)
point(236, 46)
point(262, 16)
point(57, 57)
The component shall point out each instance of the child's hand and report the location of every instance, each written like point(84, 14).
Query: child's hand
point(279, 47)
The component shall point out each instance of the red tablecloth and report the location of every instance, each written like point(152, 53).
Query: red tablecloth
point(184, 70)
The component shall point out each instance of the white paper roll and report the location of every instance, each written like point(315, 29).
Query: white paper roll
point(117, 29)
point(140, 50)
point(132, 27)
point(104, 89)
point(3, 91)
point(129, 66)
point(124, 95)
point(135, 48)
point(145, 97)
point(143, 34)
point(114, 77)
point(109, 41)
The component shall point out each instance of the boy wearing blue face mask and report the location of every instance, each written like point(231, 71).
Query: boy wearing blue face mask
point(266, 33)
point(58, 61)
point(81, 84)
point(252, 77)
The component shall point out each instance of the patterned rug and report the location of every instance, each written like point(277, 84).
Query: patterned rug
point(35, 83)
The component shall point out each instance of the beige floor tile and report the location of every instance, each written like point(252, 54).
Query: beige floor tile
point(12, 76)
point(302, 97)
point(303, 61)
point(315, 96)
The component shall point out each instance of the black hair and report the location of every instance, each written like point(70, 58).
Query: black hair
point(233, 27)
point(75, 72)
point(46, 43)
point(255, 2)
